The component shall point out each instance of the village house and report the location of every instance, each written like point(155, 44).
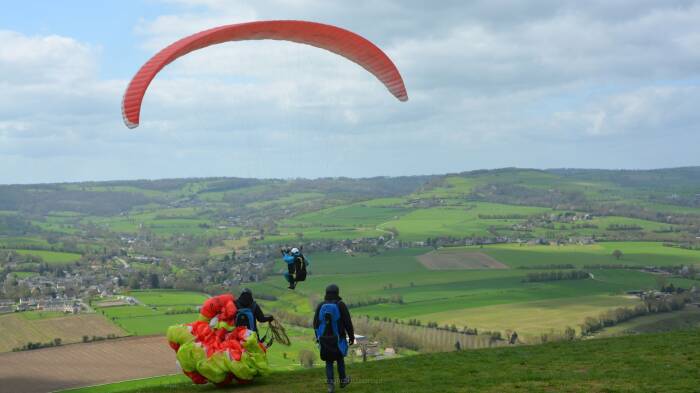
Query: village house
point(6, 305)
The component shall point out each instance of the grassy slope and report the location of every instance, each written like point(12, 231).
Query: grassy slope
point(645, 363)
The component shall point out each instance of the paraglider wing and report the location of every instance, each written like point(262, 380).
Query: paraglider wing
point(334, 39)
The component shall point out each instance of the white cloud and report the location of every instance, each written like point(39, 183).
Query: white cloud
point(52, 59)
point(667, 110)
point(491, 83)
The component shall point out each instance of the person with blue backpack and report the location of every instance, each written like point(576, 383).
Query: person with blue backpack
point(333, 328)
point(296, 265)
point(248, 313)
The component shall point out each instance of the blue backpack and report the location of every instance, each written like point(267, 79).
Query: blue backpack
point(245, 317)
point(331, 344)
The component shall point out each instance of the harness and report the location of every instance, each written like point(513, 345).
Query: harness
point(328, 334)
point(246, 317)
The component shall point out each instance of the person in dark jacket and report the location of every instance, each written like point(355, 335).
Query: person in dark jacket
point(296, 265)
point(345, 332)
point(246, 301)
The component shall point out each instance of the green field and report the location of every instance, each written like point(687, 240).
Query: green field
point(530, 319)
point(162, 222)
point(52, 257)
point(646, 363)
point(36, 315)
point(169, 298)
point(154, 316)
point(392, 262)
point(24, 274)
point(459, 221)
point(23, 241)
point(295, 199)
point(634, 253)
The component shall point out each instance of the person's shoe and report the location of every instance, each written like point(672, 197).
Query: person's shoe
point(344, 382)
point(331, 388)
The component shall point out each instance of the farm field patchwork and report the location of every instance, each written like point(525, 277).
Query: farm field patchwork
point(455, 296)
point(159, 310)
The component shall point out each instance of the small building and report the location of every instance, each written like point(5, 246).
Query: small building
point(360, 340)
point(389, 352)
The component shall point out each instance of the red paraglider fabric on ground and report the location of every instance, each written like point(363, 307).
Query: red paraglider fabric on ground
point(213, 349)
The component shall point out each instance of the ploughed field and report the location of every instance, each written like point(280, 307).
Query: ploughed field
point(50, 369)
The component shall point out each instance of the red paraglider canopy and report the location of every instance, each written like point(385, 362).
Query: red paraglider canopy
point(334, 39)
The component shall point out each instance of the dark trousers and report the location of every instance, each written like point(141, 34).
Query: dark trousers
point(329, 369)
point(291, 269)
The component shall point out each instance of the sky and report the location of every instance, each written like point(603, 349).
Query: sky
point(492, 83)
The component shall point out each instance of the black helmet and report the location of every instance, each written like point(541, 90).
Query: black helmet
point(246, 298)
point(332, 290)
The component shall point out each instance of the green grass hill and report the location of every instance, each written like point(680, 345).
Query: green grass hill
point(668, 362)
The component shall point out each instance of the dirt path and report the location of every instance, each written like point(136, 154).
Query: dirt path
point(50, 369)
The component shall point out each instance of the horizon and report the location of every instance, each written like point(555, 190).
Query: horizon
point(465, 172)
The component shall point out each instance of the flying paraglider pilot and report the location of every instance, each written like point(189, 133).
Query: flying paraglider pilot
point(296, 265)
point(333, 326)
point(248, 312)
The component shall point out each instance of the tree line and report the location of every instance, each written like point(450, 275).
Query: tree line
point(354, 303)
point(556, 276)
point(618, 315)
point(553, 266)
